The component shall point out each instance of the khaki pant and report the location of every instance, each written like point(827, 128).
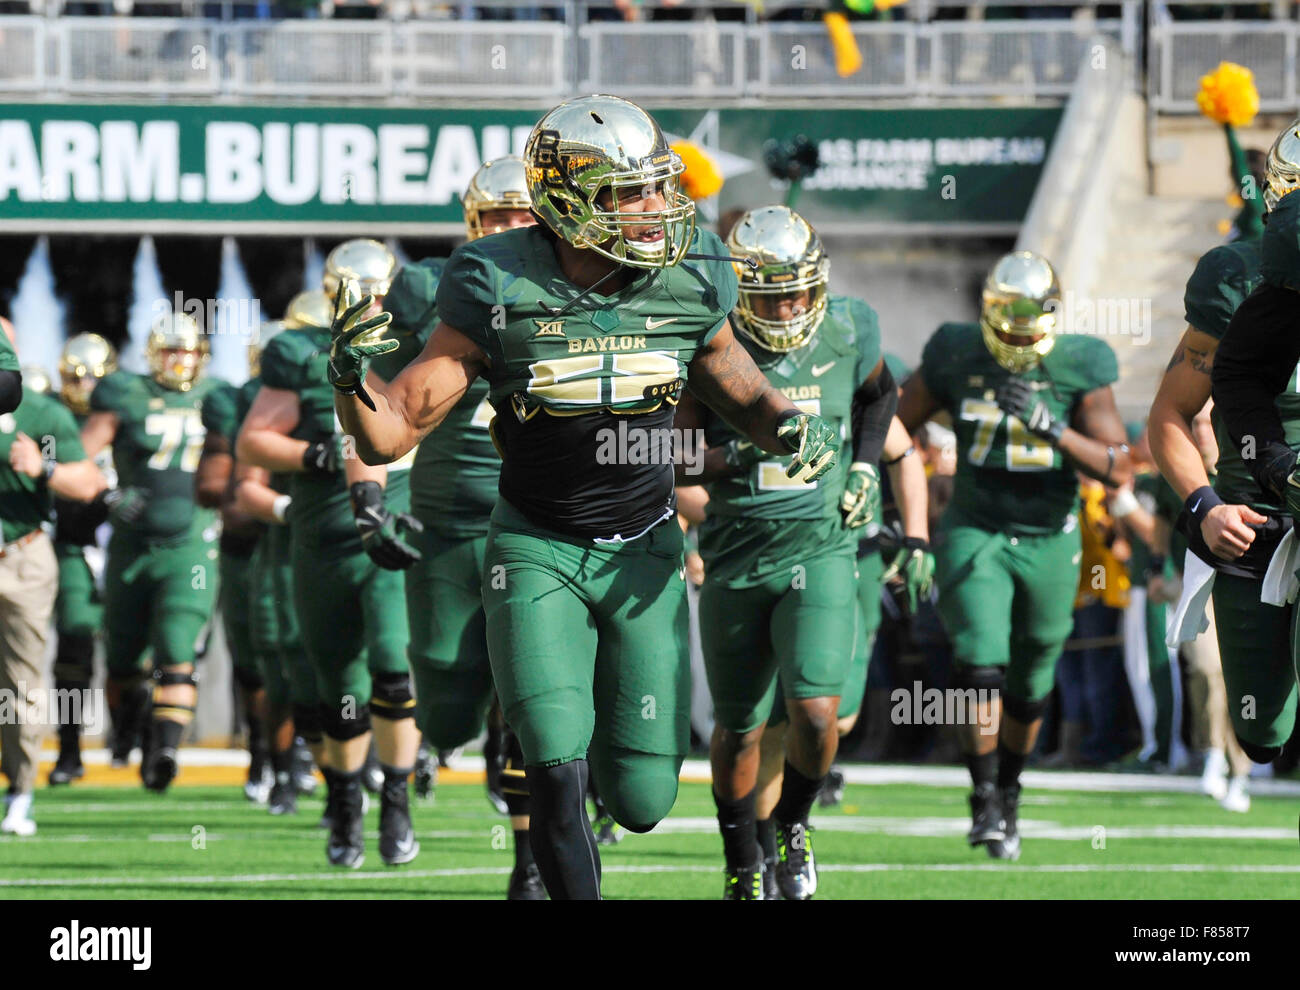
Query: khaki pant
point(29, 580)
point(1208, 697)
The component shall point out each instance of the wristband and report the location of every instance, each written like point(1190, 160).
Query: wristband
point(1200, 502)
point(1157, 565)
point(907, 453)
point(280, 507)
point(1125, 503)
point(916, 543)
point(47, 469)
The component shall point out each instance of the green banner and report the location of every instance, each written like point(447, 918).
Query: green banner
point(275, 169)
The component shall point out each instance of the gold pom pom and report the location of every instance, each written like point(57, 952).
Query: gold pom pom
point(701, 178)
point(1228, 95)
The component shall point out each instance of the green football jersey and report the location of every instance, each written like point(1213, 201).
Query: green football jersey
point(1223, 278)
point(456, 470)
point(1280, 247)
point(1008, 479)
point(820, 378)
point(8, 359)
point(157, 447)
point(25, 502)
point(583, 390)
point(320, 515)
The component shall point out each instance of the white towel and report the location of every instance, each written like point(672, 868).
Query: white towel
point(1280, 583)
point(1188, 619)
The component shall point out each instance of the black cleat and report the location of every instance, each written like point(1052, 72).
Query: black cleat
point(426, 773)
point(796, 870)
point(770, 890)
point(986, 816)
point(67, 769)
point(526, 884)
point(1008, 847)
point(283, 799)
point(159, 770)
point(744, 884)
point(397, 843)
point(606, 830)
point(346, 845)
point(832, 792)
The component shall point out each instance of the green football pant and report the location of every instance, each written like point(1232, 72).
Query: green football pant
point(800, 622)
point(352, 614)
point(870, 570)
point(588, 644)
point(1008, 601)
point(159, 596)
point(78, 610)
point(277, 621)
point(1255, 646)
point(236, 600)
point(263, 628)
point(448, 651)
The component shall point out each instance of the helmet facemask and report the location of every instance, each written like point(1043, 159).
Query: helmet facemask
point(1021, 299)
point(782, 335)
point(607, 230)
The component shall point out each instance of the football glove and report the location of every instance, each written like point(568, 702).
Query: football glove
point(354, 341)
point(321, 457)
point(814, 443)
point(380, 529)
point(860, 503)
point(120, 506)
point(913, 568)
point(741, 455)
point(1016, 397)
point(1277, 465)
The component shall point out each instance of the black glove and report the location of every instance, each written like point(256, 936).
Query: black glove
point(379, 528)
point(321, 457)
point(121, 506)
point(1016, 397)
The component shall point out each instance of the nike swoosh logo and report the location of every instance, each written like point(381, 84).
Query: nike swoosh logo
point(818, 372)
point(1196, 506)
point(652, 324)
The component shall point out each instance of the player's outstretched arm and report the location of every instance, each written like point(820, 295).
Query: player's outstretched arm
point(264, 438)
point(724, 377)
point(1096, 440)
point(1184, 391)
point(907, 478)
point(700, 464)
point(409, 407)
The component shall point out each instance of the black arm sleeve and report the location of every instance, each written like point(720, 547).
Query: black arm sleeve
point(1252, 365)
point(874, 405)
point(11, 390)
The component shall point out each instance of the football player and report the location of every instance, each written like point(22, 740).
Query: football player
point(1029, 407)
point(11, 378)
point(78, 610)
point(585, 327)
point(347, 555)
point(160, 576)
point(1245, 516)
point(780, 555)
point(293, 704)
point(453, 489)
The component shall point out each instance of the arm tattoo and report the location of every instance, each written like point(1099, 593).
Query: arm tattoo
point(1201, 361)
point(1174, 361)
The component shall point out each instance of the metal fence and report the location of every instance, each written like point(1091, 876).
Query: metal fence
point(539, 61)
point(1180, 52)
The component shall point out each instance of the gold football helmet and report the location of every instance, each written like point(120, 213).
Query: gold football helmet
point(86, 358)
point(1021, 296)
point(367, 261)
point(1283, 174)
point(177, 351)
point(588, 156)
point(261, 337)
point(312, 308)
point(36, 379)
point(498, 185)
point(792, 267)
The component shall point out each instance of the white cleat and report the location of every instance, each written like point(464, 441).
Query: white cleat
point(1238, 797)
point(1214, 778)
point(18, 820)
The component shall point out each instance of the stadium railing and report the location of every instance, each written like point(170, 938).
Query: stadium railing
point(538, 61)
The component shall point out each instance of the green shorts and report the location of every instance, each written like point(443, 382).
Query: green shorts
point(801, 623)
point(1255, 647)
point(78, 610)
point(1008, 601)
point(159, 596)
point(448, 651)
point(236, 611)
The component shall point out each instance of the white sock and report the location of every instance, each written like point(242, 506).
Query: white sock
point(19, 806)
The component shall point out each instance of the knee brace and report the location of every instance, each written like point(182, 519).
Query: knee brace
point(307, 723)
point(171, 711)
point(988, 678)
point(514, 780)
point(391, 697)
point(1025, 712)
point(341, 728)
point(249, 678)
point(1259, 754)
point(74, 659)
